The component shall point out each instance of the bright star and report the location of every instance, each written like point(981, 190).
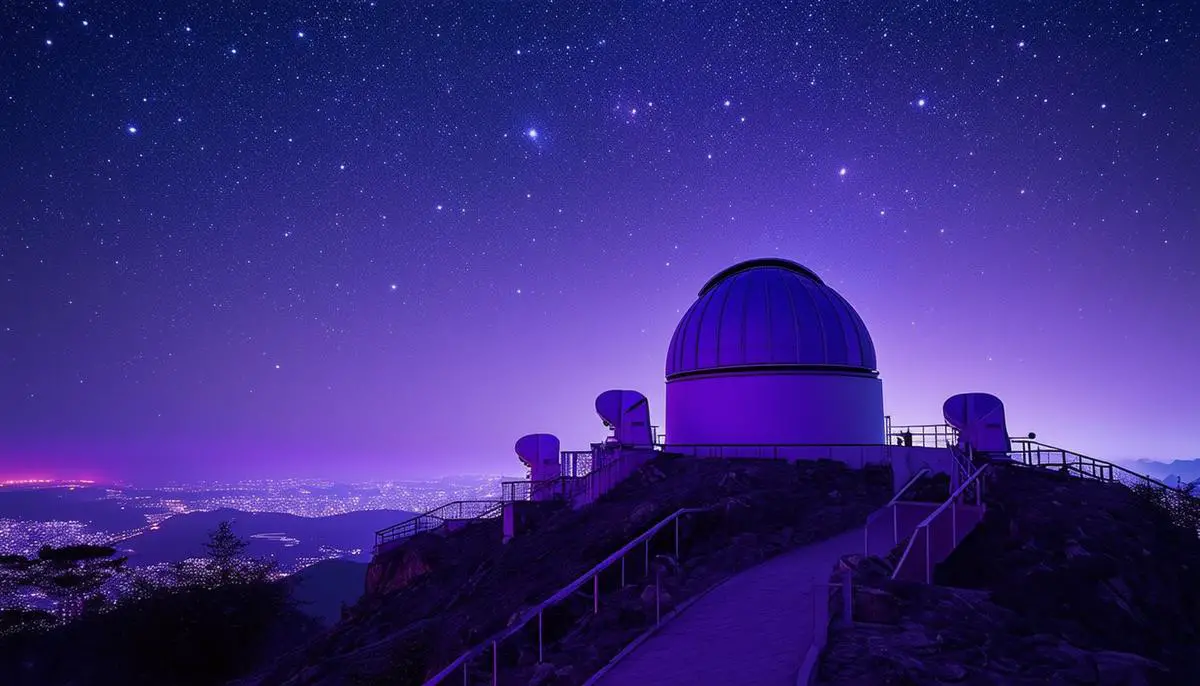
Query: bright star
point(131, 130)
point(532, 133)
point(727, 103)
point(842, 171)
point(921, 102)
point(393, 287)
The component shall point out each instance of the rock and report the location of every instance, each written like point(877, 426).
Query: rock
point(949, 672)
point(641, 514)
point(1073, 549)
point(397, 569)
point(748, 540)
point(545, 673)
point(1125, 669)
point(875, 606)
point(652, 474)
point(665, 601)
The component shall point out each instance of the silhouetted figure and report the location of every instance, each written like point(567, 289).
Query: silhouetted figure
point(907, 436)
point(899, 440)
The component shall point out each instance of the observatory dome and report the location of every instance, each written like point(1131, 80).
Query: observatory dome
point(771, 355)
point(769, 312)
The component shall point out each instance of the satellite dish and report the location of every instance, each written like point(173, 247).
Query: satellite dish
point(628, 413)
point(539, 452)
point(979, 418)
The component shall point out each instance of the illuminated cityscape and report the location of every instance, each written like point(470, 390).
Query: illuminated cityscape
point(25, 534)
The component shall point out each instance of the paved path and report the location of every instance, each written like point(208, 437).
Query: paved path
point(754, 629)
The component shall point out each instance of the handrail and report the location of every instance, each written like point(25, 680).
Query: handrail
point(890, 504)
point(923, 435)
point(527, 616)
point(1038, 446)
point(950, 502)
point(401, 530)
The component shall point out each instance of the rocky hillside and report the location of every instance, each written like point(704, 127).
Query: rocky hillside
point(451, 592)
point(1064, 582)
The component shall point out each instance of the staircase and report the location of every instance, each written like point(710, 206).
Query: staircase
point(587, 476)
point(930, 532)
point(450, 516)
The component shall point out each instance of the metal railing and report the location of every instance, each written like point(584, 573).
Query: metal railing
point(492, 645)
point(1036, 454)
point(832, 602)
point(577, 462)
point(893, 507)
point(853, 454)
point(964, 463)
point(923, 435)
point(459, 510)
point(564, 487)
point(940, 533)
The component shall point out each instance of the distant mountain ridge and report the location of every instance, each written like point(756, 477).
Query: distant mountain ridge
point(1172, 473)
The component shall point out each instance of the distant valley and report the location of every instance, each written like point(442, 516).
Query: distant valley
point(297, 523)
point(292, 540)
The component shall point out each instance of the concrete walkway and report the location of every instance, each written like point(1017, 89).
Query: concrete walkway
point(754, 629)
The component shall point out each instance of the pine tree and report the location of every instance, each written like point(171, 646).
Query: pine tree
point(226, 554)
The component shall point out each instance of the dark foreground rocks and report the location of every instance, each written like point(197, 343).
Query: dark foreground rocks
point(1064, 582)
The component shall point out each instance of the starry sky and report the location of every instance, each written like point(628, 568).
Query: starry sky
point(385, 239)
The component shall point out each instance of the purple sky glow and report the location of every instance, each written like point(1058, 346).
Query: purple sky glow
point(363, 241)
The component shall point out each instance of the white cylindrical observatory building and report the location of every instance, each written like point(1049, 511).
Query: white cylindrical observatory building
point(770, 355)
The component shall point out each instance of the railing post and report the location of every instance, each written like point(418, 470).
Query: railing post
point(657, 596)
point(646, 562)
point(954, 522)
point(465, 677)
point(596, 594)
point(495, 663)
point(928, 558)
point(677, 539)
point(895, 524)
point(539, 637)
point(622, 571)
point(847, 599)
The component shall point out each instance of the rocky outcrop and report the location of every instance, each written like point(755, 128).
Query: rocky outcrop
point(1064, 582)
point(397, 569)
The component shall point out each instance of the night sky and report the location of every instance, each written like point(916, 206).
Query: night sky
point(385, 239)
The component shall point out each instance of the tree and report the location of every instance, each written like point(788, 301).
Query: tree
point(225, 563)
point(72, 576)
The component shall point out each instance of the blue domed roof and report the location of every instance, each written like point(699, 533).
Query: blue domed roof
point(769, 313)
